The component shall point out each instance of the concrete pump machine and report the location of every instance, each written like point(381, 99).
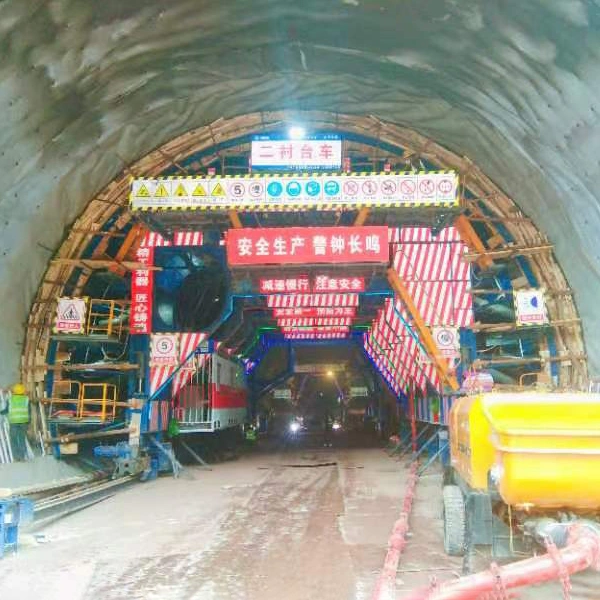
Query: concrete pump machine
point(524, 467)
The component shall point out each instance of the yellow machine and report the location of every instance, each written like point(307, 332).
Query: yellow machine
point(533, 453)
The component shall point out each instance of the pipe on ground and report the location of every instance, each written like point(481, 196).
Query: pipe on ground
point(582, 551)
point(386, 583)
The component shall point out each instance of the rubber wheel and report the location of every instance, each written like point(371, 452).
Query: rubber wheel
point(454, 521)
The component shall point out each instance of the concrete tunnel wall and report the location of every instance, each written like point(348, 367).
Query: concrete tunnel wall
point(87, 88)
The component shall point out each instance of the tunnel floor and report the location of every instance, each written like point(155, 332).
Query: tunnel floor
point(249, 529)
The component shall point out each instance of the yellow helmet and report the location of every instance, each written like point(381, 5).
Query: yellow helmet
point(18, 388)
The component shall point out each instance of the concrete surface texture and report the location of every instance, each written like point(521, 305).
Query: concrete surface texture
point(86, 88)
point(41, 473)
point(261, 528)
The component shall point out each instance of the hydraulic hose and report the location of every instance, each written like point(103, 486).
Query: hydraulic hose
point(582, 551)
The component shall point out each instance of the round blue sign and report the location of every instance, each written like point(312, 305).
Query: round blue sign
point(332, 188)
point(313, 188)
point(293, 188)
point(274, 188)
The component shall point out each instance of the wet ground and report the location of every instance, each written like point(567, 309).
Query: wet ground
point(286, 524)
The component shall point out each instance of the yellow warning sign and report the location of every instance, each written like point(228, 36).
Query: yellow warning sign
point(218, 190)
point(181, 191)
point(199, 190)
point(161, 191)
point(143, 192)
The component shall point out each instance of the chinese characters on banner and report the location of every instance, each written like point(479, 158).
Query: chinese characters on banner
point(315, 336)
point(321, 154)
point(314, 322)
point(322, 283)
point(289, 285)
point(321, 311)
point(140, 319)
point(321, 329)
point(307, 245)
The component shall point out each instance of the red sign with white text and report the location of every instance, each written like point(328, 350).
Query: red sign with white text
point(318, 311)
point(288, 284)
point(333, 329)
point(142, 280)
point(324, 283)
point(315, 336)
point(314, 321)
point(307, 245)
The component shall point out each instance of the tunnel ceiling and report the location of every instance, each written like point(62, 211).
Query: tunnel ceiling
point(88, 88)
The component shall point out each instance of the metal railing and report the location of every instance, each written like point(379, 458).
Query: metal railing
point(107, 317)
point(96, 401)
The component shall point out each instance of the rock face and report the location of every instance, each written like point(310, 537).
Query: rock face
point(86, 88)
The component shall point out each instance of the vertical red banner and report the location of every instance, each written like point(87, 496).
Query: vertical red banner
point(142, 284)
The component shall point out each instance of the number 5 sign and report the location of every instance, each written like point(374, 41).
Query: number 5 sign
point(164, 349)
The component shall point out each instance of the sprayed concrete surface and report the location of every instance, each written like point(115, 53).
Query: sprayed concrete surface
point(86, 88)
point(265, 527)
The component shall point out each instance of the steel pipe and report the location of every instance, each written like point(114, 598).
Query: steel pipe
point(582, 551)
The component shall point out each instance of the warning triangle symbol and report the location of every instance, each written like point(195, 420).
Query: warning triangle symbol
point(218, 190)
point(161, 191)
point(70, 313)
point(199, 190)
point(181, 191)
point(143, 192)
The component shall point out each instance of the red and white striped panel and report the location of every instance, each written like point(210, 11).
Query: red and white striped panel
point(304, 300)
point(187, 344)
point(158, 375)
point(181, 238)
point(435, 274)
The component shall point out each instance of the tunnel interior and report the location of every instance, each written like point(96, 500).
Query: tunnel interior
point(461, 266)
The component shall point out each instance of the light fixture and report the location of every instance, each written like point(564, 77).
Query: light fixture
point(296, 132)
point(329, 373)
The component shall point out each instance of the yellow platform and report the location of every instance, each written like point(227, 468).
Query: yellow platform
point(544, 447)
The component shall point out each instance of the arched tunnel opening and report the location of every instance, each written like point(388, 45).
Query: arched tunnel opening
point(298, 301)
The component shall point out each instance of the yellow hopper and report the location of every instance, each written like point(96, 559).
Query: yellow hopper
point(542, 449)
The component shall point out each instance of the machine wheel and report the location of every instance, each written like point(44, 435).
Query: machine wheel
point(454, 521)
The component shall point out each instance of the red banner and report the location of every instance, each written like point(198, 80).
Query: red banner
point(315, 336)
point(332, 329)
point(320, 311)
point(307, 245)
point(324, 283)
point(289, 284)
point(142, 280)
point(314, 322)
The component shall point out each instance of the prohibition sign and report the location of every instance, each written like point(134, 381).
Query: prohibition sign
point(256, 189)
point(445, 186)
point(388, 186)
point(350, 188)
point(407, 186)
point(426, 186)
point(369, 187)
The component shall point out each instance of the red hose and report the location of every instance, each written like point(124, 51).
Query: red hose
point(384, 588)
point(581, 552)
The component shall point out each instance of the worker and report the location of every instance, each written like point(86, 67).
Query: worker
point(18, 420)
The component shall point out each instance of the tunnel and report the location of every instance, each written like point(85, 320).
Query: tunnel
point(275, 275)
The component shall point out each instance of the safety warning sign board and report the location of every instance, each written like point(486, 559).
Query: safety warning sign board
point(297, 192)
point(70, 315)
point(164, 349)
